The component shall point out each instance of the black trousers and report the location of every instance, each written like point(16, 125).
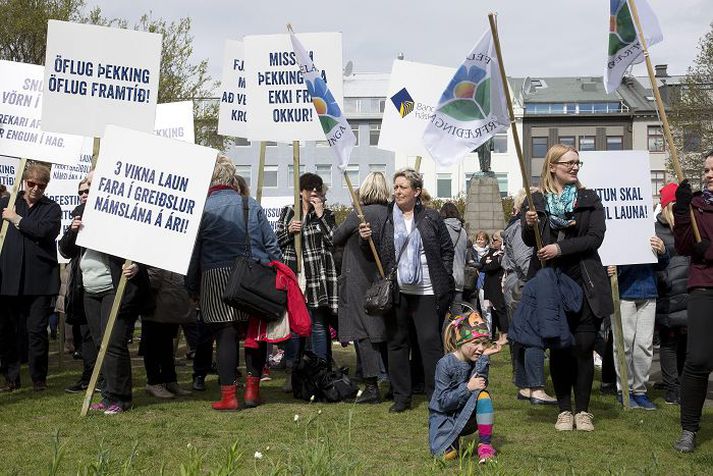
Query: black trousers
point(673, 355)
point(157, 346)
point(699, 359)
point(117, 361)
point(200, 337)
point(572, 368)
point(89, 351)
point(24, 316)
point(415, 314)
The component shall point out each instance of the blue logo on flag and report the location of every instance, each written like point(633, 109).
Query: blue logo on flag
point(403, 102)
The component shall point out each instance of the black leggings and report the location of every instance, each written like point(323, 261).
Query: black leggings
point(699, 360)
point(573, 367)
point(227, 342)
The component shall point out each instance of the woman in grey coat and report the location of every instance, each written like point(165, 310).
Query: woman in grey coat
point(459, 237)
point(358, 272)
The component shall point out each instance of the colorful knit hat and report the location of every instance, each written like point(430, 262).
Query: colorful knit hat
point(469, 328)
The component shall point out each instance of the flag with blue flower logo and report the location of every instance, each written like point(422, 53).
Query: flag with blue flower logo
point(624, 45)
point(336, 129)
point(472, 109)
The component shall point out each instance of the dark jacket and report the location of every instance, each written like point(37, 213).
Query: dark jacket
point(74, 292)
point(638, 281)
point(173, 305)
point(137, 295)
point(541, 317)
point(701, 270)
point(672, 304)
point(437, 245)
point(579, 244)
point(493, 283)
point(28, 263)
point(358, 272)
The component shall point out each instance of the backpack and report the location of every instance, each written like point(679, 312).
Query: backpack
point(313, 378)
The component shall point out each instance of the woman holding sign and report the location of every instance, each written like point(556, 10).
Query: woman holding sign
point(571, 220)
point(699, 359)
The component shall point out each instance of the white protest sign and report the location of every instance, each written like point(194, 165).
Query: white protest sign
point(96, 76)
point(64, 185)
point(21, 131)
point(232, 112)
point(8, 169)
point(147, 198)
point(414, 91)
point(622, 180)
point(273, 206)
point(174, 120)
point(279, 106)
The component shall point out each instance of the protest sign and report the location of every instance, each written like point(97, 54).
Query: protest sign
point(232, 112)
point(96, 76)
point(628, 203)
point(174, 120)
point(414, 91)
point(147, 198)
point(8, 169)
point(279, 106)
point(273, 206)
point(21, 131)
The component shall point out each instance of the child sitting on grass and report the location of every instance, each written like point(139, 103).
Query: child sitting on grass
point(461, 404)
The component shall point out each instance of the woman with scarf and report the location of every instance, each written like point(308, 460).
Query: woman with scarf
point(571, 221)
point(414, 240)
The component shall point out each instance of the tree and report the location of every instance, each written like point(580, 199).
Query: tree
point(692, 111)
point(23, 38)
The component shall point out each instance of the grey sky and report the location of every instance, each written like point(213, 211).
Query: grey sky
point(546, 38)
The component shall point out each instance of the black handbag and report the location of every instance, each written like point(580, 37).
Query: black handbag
point(251, 286)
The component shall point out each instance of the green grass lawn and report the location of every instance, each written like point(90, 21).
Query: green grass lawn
point(186, 437)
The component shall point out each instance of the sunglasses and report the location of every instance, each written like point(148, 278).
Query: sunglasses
point(31, 184)
point(83, 192)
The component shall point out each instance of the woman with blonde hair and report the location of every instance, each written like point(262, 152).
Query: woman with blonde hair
point(571, 222)
point(358, 272)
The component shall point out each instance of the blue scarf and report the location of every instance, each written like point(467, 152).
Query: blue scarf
point(409, 266)
point(559, 206)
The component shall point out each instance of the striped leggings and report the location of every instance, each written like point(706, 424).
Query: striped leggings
point(482, 420)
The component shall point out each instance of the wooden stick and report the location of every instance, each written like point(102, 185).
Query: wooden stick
point(618, 330)
point(105, 340)
point(60, 337)
point(298, 201)
point(513, 126)
point(360, 214)
point(12, 200)
point(417, 165)
point(261, 171)
point(662, 111)
point(95, 152)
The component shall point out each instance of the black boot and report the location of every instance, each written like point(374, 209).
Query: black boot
point(370, 394)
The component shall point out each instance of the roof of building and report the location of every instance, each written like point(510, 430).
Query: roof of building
point(366, 85)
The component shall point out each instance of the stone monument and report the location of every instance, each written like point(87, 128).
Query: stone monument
point(483, 204)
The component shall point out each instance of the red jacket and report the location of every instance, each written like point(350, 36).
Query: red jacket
point(701, 271)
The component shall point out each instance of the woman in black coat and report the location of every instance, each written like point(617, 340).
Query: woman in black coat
point(571, 220)
point(424, 279)
point(358, 272)
point(491, 264)
point(29, 276)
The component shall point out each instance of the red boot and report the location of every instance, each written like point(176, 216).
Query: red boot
point(252, 392)
point(228, 401)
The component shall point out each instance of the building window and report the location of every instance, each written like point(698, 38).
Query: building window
point(539, 147)
point(244, 171)
point(325, 171)
point(502, 184)
point(355, 130)
point(242, 142)
point(290, 172)
point(443, 186)
point(353, 173)
point(270, 176)
point(655, 139)
point(374, 131)
point(382, 105)
point(586, 143)
point(567, 140)
point(377, 168)
point(658, 180)
point(691, 140)
point(500, 143)
point(615, 143)
point(269, 143)
point(350, 104)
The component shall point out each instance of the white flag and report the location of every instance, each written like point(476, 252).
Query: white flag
point(624, 45)
point(336, 129)
point(472, 109)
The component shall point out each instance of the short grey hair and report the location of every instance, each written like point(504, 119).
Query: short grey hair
point(224, 172)
point(414, 178)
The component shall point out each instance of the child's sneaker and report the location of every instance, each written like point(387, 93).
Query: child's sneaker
point(99, 406)
point(486, 452)
point(114, 409)
point(642, 401)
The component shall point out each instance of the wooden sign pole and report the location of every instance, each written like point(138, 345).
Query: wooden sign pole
point(360, 214)
point(298, 201)
point(417, 165)
point(12, 200)
point(618, 330)
point(261, 171)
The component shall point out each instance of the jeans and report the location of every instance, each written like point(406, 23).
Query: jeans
point(320, 341)
point(529, 367)
point(637, 322)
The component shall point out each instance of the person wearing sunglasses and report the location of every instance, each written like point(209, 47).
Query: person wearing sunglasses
point(29, 276)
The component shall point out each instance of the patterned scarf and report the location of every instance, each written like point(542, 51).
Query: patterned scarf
point(409, 266)
point(708, 196)
point(559, 206)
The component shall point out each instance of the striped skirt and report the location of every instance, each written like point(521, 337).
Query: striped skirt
point(213, 309)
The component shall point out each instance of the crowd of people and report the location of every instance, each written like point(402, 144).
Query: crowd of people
point(537, 287)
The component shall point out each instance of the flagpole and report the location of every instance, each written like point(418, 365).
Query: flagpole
point(298, 202)
point(261, 172)
point(661, 110)
point(513, 126)
point(360, 215)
